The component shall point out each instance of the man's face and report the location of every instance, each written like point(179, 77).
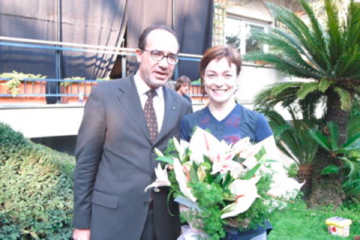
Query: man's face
point(156, 73)
point(184, 89)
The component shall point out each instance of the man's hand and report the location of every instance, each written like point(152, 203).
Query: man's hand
point(81, 234)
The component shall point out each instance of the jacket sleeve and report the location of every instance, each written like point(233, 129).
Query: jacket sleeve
point(88, 153)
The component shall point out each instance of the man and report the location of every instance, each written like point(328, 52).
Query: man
point(115, 151)
point(182, 86)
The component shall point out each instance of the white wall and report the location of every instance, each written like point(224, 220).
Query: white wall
point(40, 120)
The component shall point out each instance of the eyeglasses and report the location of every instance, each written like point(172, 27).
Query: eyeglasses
point(159, 55)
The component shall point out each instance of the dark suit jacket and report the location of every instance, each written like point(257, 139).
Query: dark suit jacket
point(115, 163)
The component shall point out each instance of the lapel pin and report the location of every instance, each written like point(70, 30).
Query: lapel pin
point(173, 108)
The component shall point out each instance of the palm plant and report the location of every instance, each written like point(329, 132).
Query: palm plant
point(348, 153)
point(292, 137)
point(327, 55)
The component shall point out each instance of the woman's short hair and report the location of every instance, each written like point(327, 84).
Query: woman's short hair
point(182, 80)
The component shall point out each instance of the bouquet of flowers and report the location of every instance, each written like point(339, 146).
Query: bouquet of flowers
point(218, 183)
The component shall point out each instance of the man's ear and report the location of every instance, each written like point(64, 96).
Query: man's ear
point(138, 53)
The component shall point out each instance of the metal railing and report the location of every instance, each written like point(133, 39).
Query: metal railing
point(52, 87)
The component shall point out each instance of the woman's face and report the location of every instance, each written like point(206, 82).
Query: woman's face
point(219, 81)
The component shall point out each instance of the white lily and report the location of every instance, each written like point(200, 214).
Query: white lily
point(241, 146)
point(284, 187)
point(181, 147)
point(245, 192)
point(183, 180)
point(161, 178)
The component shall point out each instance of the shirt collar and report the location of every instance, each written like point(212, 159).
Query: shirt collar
point(142, 88)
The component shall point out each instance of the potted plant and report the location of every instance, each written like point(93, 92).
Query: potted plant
point(16, 80)
point(66, 88)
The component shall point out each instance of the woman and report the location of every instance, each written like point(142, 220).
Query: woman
point(226, 120)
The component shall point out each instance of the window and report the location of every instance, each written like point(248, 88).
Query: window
point(238, 33)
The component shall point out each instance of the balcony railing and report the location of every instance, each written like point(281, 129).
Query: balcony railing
point(61, 89)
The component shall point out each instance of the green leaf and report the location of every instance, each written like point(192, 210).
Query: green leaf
point(218, 178)
point(345, 98)
point(165, 160)
point(307, 88)
point(193, 175)
point(320, 139)
point(334, 135)
point(252, 172)
point(330, 169)
point(324, 85)
point(353, 143)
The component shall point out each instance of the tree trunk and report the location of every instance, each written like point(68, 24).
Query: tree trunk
point(327, 189)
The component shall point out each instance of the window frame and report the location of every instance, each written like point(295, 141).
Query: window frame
point(243, 23)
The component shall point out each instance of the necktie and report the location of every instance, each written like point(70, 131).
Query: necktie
point(150, 115)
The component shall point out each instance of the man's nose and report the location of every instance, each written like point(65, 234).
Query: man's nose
point(163, 62)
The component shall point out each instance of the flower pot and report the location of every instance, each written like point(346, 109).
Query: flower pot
point(64, 90)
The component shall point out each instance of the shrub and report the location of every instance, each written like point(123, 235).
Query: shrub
point(37, 197)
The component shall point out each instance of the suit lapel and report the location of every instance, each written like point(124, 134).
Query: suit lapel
point(129, 99)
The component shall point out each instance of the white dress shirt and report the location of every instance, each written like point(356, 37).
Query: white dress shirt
point(158, 100)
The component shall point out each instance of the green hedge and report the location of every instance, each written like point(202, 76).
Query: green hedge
point(36, 201)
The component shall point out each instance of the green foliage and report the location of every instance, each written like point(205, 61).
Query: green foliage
point(330, 142)
point(302, 223)
point(292, 170)
point(330, 169)
point(15, 80)
point(348, 153)
point(292, 137)
point(68, 83)
point(328, 54)
point(37, 198)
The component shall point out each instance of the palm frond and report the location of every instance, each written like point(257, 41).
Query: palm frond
point(285, 64)
point(302, 32)
point(324, 85)
point(352, 29)
point(320, 139)
point(307, 88)
point(276, 93)
point(353, 125)
point(347, 65)
point(334, 31)
point(345, 98)
point(318, 34)
point(353, 165)
point(353, 143)
point(292, 139)
point(290, 50)
point(333, 135)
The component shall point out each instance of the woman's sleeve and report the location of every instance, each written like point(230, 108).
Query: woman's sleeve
point(262, 129)
point(184, 130)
